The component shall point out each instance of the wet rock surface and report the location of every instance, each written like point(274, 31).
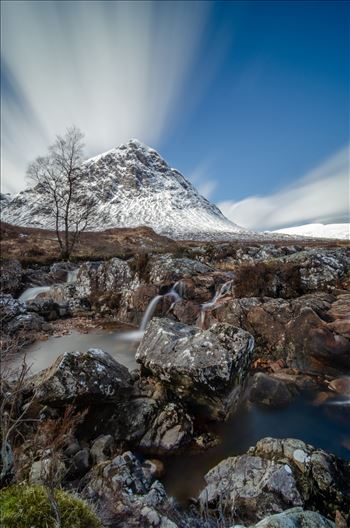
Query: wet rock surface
point(295, 518)
point(206, 368)
point(196, 358)
point(82, 377)
point(276, 475)
point(125, 493)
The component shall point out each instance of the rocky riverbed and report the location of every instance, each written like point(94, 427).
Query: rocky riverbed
point(218, 332)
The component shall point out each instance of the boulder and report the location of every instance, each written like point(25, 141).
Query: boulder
point(169, 269)
point(295, 518)
point(270, 391)
point(250, 487)
point(301, 331)
point(97, 278)
point(10, 308)
point(321, 269)
point(82, 377)
point(206, 369)
point(102, 448)
point(171, 430)
point(276, 475)
point(126, 494)
point(48, 309)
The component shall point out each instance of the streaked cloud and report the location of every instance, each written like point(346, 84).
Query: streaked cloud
point(201, 178)
point(115, 69)
point(322, 195)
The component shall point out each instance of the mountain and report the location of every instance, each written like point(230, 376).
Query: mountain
point(339, 231)
point(133, 186)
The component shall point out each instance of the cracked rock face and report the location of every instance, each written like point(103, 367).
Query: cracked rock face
point(276, 475)
point(295, 518)
point(125, 494)
point(204, 368)
point(82, 377)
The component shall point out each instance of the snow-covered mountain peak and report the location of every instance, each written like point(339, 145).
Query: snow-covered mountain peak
point(133, 185)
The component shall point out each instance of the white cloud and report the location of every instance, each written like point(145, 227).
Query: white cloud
point(115, 69)
point(322, 195)
point(200, 177)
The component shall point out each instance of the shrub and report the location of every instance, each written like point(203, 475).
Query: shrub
point(268, 279)
point(24, 506)
point(140, 265)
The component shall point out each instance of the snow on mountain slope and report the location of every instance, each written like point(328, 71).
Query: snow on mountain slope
point(133, 186)
point(340, 231)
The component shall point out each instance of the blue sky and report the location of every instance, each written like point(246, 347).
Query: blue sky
point(248, 99)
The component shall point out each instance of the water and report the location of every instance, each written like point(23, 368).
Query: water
point(219, 294)
point(147, 316)
point(318, 426)
point(31, 293)
point(42, 354)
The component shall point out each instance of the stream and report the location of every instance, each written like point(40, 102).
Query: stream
point(325, 426)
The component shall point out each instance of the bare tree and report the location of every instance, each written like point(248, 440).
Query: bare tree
point(59, 178)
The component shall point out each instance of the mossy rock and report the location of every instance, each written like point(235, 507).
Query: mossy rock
point(23, 506)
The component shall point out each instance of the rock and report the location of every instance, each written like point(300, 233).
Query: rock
point(321, 269)
point(125, 494)
point(323, 479)
point(41, 471)
point(167, 269)
point(203, 368)
point(270, 391)
point(251, 486)
point(295, 518)
point(170, 430)
point(72, 448)
point(97, 278)
point(102, 448)
point(276, 475)
point(10, 276)
point(312, 346)
point(10, 308)
point(26, 327)
point(79, 464)
point(300, 331)
point(48, 309)
point(82, 377)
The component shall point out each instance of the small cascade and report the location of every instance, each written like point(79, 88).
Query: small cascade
point(219, 294)
point(147, 316)
point(72, 276)
point(31, 293)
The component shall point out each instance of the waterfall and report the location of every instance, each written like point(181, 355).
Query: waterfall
point(219, 294)
point(72, 275)
point(31, 293)
point(137, 335)
point(149, 312)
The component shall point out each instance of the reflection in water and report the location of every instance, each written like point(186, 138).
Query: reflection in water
point(42, 354)
point(184, 476)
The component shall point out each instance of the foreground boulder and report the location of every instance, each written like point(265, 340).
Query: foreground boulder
point(125, 494)
point(204, 368)
point(82, 377)
point(276, 475)
point(295, 518)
